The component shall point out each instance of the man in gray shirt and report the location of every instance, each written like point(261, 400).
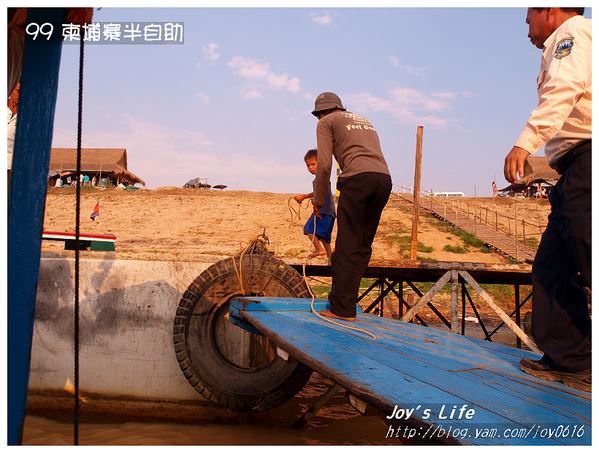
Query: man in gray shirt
point(364, 185)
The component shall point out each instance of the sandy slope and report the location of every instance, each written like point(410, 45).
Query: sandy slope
point(206, 225)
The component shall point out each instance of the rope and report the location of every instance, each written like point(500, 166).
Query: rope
point(239, 272)
point(329, 320)
point(296, 214)
point(313, 310)
point(239, 275)
point(77, 225)
point(253, 247)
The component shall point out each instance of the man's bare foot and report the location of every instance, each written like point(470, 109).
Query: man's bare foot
point(315, 254)
point(330, 314)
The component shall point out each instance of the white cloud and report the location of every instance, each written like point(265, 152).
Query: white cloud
point(394, 61)
point(251, 93)
point(210, 51)
point(321, 19)
point(283, 81)
point(417, 71)
point(444, 95)
point(417, 99)
point(249, 68)
point(203, 98)
point(408, 105)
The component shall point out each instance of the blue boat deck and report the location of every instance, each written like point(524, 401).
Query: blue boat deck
point(421, 375)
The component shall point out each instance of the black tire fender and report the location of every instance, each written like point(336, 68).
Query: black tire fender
point(224, 363)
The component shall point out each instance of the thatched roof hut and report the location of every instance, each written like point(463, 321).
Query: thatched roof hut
point(537, 169)
point(109, 162)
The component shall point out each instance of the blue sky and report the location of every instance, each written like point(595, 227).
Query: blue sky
point(233, 103)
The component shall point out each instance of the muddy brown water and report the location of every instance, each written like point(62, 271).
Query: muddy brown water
point(49, 420)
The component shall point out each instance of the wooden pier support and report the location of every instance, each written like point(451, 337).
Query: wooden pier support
point(416, 207)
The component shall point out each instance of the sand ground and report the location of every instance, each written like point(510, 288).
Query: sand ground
point(176, 224)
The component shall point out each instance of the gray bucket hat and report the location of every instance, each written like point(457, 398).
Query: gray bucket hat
point(327, 101)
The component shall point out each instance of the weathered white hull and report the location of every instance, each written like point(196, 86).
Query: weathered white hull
point(127, 309)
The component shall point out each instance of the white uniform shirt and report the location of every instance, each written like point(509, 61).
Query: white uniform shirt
point(10, 136)
point(563, 116)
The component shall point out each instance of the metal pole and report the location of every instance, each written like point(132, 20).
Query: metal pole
point(415, 212)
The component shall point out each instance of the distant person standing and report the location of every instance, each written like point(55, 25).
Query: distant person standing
point(364, 185)
point(562, 121)
point(494, 189)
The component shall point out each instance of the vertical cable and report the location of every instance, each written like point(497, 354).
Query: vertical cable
point(77, 222)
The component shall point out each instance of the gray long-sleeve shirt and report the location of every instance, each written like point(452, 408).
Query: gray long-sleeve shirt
point(355, 144)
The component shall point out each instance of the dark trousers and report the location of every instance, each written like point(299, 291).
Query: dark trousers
point(363, 197)
point(561, 324)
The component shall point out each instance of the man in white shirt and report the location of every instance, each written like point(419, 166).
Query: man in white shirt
point(12, 109)
point(562, 122)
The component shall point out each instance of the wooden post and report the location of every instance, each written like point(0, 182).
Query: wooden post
point(503, 315)
point(516, 229)
point(400, 301)
point(415, 212)
point(463, 309)
point(517, 301)
point(496, 223)
point(454, 302)
point(426, 298)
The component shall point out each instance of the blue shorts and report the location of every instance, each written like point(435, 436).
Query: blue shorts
point(324, 226)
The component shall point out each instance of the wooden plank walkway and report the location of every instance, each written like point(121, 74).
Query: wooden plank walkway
point(410, 367)
point(493, 238)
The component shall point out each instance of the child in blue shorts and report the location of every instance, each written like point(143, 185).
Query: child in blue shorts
point(320, 224)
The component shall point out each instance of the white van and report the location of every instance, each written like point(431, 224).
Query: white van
point(448, 194)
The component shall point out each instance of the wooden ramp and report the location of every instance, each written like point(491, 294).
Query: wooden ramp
point(492, 237)
point(427, 371)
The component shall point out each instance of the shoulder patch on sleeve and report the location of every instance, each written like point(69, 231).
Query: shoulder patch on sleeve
point(564, 47)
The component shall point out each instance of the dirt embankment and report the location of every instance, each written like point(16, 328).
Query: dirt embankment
point(205, 225)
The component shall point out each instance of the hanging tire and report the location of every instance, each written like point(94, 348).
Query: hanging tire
point(224, 363)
